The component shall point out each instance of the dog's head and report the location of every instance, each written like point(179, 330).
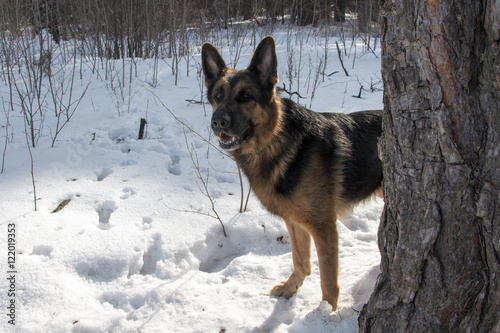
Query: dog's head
point(246, 108)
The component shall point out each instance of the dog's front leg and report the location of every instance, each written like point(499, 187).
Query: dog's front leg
point(301, 253)
point(326, 240)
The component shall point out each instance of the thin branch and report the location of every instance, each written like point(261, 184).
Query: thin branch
point(359, 95)
point(204, 190)
point(368, 45)
point(340, 58)
point(290, 93)
point(242, 191)
point(7, 124)
point(248, 197)
point(193, 101)
point(32, 163)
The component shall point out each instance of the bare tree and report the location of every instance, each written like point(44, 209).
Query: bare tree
point(365, 14)
point(339, 7)
point(440, 230)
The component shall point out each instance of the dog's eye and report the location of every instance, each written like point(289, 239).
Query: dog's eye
point(245, 97)
point(218, 96)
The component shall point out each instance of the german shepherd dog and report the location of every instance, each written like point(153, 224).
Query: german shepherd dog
point(307, 167)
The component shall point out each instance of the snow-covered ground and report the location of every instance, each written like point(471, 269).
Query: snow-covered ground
point(134, 250)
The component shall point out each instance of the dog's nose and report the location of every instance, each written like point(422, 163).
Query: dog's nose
point(220, 121)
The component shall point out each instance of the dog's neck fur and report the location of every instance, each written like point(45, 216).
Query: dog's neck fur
point(264, 145)
point(259, 159)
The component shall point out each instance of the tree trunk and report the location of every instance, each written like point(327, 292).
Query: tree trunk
point(364, 15)
point(305, 12)
point(339, 7)
point(439, 235)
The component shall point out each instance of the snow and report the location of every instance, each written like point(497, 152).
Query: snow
point(134, 249)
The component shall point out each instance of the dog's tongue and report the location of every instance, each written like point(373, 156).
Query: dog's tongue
point(224, 138)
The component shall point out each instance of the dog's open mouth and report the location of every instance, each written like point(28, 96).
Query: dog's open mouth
point(232, 142)
point(227, 141)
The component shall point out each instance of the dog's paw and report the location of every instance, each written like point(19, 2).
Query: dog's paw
point(285, 289)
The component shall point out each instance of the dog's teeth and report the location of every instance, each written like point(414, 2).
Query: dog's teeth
point(224, 138)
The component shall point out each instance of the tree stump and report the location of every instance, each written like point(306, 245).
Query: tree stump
point(141, 128)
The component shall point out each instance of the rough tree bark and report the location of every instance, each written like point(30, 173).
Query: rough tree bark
point(439, 235)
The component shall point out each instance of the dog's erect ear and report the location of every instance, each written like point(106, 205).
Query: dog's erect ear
point(264, 62)
point(212, 63)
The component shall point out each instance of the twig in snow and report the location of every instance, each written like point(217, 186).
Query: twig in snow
point(290, 93)
point(7, 124)
point(340, 58)
point(193, 101)
point(204, 190)
point(32, 171)
point(359, 95)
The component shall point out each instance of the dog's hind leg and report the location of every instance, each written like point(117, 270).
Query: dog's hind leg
point(301, 253)
point(327, 245)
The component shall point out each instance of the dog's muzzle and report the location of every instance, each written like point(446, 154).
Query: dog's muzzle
point(222, 127)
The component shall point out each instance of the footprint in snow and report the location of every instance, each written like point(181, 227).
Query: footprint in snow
point(128, 162)
point(42, 250)
point(127, 193)
point(152, 256)
point(146, 223)
point(104, 210)
point(101, 175)
point(173, 166)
